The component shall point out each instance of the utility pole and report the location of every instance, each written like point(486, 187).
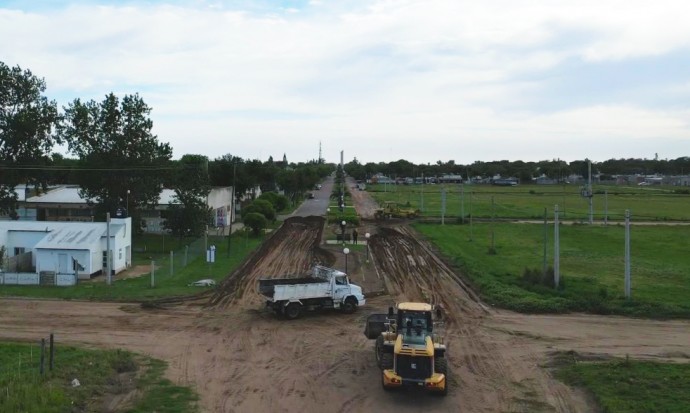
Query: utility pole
point(462, 203)
point(232, 202)
point(443, 206)
point(107, 248)
point(545, 239)
point(627, 254)
point(493, 231)
point(590, 194)
point(471, 238)
point(606, 207)
point(556, 249)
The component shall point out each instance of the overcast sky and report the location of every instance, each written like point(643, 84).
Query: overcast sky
point(382, 80)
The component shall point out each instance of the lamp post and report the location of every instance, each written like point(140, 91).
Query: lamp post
point(346, 251)
point(367, 235)
point(342, 230)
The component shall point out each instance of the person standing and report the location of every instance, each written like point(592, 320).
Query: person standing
point(354, 235)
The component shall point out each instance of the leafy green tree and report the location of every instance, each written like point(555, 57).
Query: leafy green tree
point(279, 202)
point(27, 119)
point(114, 143)
point(189, 216)
point(256, 221)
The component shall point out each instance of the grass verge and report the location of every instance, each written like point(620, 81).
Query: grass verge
point(166, 285)
point(105, 376)
point(625, 386)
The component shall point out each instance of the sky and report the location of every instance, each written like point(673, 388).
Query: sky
point(381, 80)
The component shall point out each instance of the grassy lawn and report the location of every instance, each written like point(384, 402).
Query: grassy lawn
point(624, 386)
point(592, 266)
point(101, 373)
point(529, 201)
point(166, 285)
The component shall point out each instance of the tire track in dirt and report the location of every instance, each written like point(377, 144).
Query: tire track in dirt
point(485, 372)
point(291, 251)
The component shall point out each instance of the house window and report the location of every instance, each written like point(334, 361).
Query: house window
point(19, 250)
point(120, 253)
point(105, 259)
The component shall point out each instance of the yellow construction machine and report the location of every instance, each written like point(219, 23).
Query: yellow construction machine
point(408, 351)
point(391, 209)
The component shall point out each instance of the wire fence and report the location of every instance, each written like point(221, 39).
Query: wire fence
point(461, 202)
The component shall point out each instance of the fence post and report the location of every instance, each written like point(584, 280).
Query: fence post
point(153, 273)
point(186, 253)
point(556, 249)
point(172, 257)
point(41, 367)
point(51, 363)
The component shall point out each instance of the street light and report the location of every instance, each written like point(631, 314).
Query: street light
point(367, 235)
point(342, 230)
point(346, 251)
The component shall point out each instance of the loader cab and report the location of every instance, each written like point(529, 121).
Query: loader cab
point(414, 322)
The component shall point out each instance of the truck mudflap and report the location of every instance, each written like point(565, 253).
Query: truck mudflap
point(435, 383)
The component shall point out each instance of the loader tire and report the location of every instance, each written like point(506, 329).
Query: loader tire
point(293, 311)
point(378, 349)
point(441, 366)
point(386, 361)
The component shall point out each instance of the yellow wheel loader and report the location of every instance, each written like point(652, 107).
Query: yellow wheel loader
point(408, 351)
point(393, 210)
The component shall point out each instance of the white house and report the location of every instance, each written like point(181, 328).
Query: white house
point(69, 247)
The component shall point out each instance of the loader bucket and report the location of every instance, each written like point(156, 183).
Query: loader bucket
point(376, 324)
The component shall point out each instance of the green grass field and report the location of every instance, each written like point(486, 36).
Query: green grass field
point(591, 266)
point(624, 386)
point(100, 373)
point(529, 201)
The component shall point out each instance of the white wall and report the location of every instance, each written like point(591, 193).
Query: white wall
point(49, 260)
point(119, 241)
point(27, 240)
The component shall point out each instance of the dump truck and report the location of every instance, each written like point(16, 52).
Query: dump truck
point(322, 288)
point(393, 210)
point(408, 350)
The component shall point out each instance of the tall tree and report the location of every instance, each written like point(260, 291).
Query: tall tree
point(121, 160)
point(189, 216)
point(27, 119)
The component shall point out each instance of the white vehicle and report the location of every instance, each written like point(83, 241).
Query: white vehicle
point(323, 288)
point(203, 283)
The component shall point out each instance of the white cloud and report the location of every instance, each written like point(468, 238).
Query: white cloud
point(387, 80)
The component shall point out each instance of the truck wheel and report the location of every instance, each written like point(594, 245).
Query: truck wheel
point(350, 306)
point(293, 310)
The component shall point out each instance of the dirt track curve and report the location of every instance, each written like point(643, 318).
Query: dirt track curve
point(241, 358)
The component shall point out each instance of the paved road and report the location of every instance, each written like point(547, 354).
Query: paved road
point(318, 205)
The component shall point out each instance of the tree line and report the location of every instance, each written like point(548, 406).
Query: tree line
point(116, 160)
point(555, 169)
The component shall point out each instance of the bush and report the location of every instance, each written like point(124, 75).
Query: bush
point(279, 202)
point(536, 277)
point(260, 206)
point(256, 221)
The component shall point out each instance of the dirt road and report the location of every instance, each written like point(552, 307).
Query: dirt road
point(241, 358)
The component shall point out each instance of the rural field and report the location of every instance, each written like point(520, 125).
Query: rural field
point(647, 203)
point(238, 357)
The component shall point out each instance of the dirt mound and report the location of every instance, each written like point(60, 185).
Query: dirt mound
point(292, 250)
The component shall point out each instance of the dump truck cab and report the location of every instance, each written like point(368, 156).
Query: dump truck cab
point(408, 351)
